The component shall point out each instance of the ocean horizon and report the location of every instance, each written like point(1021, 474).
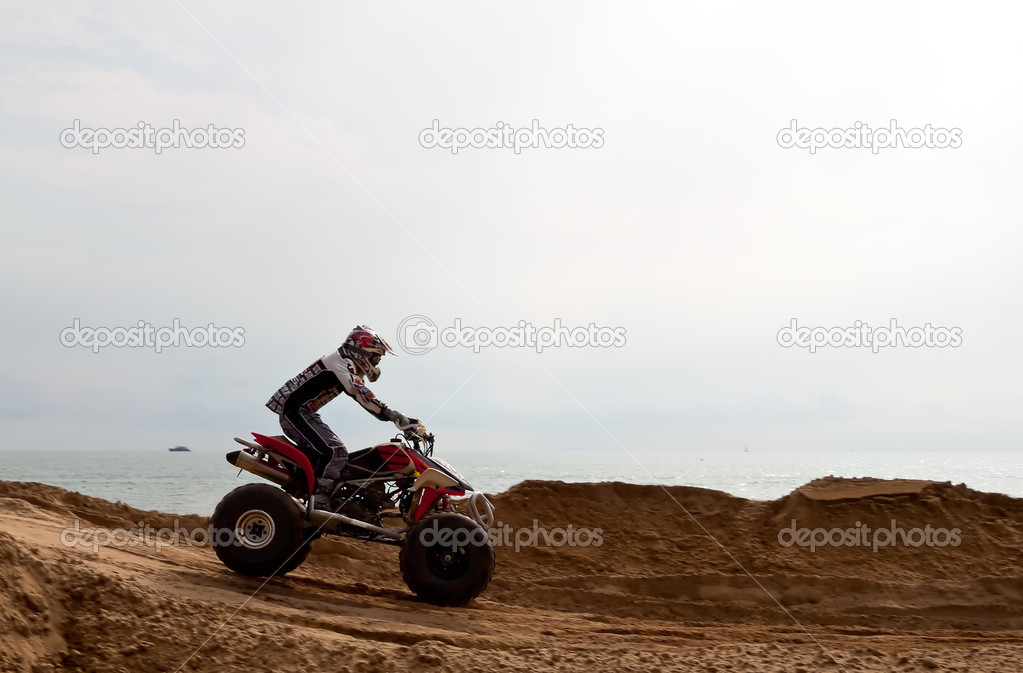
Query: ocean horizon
point(194, 482)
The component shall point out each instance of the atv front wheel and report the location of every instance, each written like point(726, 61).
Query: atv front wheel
point(446, 559)
point(258, 532)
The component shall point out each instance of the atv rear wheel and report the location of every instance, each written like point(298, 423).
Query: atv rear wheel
point(258, 531)
point(299, 557)
point(446, 559)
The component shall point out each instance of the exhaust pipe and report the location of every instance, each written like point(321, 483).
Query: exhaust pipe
point(250, 463)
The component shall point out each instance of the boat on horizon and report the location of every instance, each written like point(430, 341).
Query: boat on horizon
point(180, 448)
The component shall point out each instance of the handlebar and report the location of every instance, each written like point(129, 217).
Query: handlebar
point(421, 443)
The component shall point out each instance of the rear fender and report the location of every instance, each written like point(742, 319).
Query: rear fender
point(291, 454)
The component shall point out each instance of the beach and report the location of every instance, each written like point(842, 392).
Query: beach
point(667, 578)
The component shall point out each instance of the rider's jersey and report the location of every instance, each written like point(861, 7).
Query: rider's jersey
point(324, 380)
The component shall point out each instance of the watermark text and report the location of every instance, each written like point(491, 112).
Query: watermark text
point(504, 136)
point(144, 136)
point(145, 335)
point(860, 535)
point(417, 334)
point(863, 136)
point(862, 335)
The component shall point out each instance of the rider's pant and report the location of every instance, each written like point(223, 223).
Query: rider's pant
point(326, 451)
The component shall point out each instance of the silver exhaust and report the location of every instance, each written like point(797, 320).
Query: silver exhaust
point(250, 463)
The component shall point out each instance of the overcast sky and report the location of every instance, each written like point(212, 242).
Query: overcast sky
point(689, 226)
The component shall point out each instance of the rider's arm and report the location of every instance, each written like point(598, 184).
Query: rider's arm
point(357, 390)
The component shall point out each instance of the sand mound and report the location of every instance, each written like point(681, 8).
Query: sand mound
point(831, 488)
point(671, 578)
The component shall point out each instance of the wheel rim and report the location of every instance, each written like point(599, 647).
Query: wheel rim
point(255, 529)
point(448, 563)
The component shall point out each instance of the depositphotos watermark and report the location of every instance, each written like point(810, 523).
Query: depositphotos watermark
point(144, 136)
point(864, 536)
point(145, 335)
point(503, 136)
point(503, 535)
point(862, 136)
point(145, 535)
point(862, 335)
point(417, 334)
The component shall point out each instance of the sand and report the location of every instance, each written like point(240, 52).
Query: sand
point(685, 579)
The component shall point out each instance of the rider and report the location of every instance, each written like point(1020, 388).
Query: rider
point(341, 371)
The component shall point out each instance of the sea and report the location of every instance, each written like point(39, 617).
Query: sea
point(193, 482)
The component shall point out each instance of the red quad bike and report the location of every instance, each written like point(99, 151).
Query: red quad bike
point(438, 521)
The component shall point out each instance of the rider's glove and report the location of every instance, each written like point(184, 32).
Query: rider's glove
point(413, 427)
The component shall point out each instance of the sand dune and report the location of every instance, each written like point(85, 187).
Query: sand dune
point(681, 579)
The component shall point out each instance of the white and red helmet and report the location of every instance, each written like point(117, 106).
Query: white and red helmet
point(365, 348)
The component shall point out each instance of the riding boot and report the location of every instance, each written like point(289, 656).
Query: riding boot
point(321, 496)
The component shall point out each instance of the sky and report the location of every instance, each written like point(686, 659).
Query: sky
point(690, 227)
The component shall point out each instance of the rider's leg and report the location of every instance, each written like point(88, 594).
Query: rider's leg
point(305, 427)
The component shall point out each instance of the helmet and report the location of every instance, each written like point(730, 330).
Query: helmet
point(365, 348)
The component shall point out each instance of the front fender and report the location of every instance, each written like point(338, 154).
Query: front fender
point(433, 478)
point(428, 487)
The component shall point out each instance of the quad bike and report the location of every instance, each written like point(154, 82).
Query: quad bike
point(438, 521)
